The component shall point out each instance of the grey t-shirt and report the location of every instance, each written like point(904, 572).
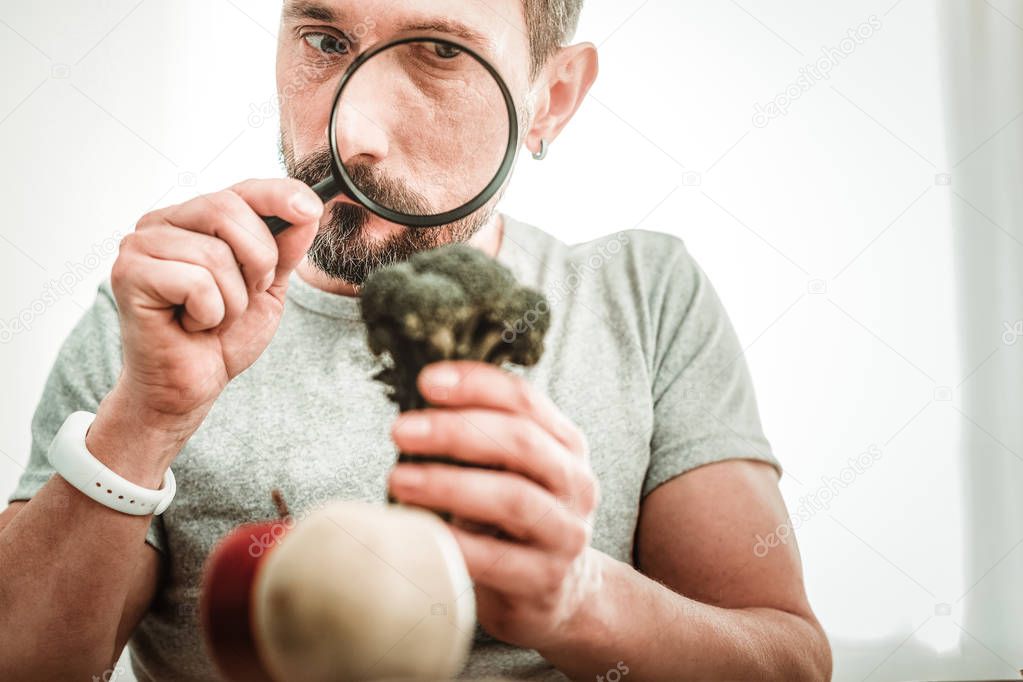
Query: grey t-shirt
point(640, 354)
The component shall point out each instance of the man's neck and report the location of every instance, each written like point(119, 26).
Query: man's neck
point(487, 239)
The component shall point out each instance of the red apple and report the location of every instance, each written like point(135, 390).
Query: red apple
point(225, 603)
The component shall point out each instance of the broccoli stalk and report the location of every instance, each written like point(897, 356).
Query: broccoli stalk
point(450, 303)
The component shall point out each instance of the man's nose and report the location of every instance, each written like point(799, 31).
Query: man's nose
point(361, 134)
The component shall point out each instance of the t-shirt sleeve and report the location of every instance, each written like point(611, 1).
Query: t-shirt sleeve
point(705, 409)
point(86, 369)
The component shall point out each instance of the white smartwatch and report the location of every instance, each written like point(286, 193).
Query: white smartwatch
point(73, 461)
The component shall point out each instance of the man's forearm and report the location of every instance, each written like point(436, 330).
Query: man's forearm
point(645, 631)
point(67, 562)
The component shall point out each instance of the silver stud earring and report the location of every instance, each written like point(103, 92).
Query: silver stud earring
point(542, 154)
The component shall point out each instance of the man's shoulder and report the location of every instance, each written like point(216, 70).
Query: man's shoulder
point(646, 245)
point(635, 262)
point(638, 248)
point(105, 294)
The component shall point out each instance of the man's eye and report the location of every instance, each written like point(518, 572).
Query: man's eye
point(328, 44)
point(446, 51)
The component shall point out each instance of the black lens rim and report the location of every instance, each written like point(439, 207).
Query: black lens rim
point(348, 186)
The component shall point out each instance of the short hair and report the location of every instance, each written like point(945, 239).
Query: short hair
point(550, 24)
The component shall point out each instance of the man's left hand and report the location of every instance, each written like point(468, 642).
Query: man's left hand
point(541, 493)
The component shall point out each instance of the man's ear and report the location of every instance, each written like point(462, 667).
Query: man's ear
point(567, 79)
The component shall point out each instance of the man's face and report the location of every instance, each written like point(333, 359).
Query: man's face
point(318, 40)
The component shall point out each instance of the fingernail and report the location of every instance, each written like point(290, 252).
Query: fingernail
point(441, 376)
point(415, 426)
point(305, 204)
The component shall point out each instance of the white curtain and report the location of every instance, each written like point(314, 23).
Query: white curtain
point(983, 58)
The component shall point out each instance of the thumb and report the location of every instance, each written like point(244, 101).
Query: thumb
point(295, 202)
point(293, 244)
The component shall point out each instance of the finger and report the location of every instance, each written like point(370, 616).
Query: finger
point(509, 568)
point(170, 243)
point(162, 285)
point(495, 439)
point(228, 217)
point(477, 384)
point(508, 501)
point(293, 201)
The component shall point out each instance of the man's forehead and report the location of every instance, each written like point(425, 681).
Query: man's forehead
point(493, 26)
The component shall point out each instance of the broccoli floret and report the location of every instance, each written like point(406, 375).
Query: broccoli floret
point(450, 303)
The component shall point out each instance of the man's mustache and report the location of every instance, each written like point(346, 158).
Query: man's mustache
point(389, 192)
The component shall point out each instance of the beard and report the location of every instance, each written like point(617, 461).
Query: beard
point(343, 249)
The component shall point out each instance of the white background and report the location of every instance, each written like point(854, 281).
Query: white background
point(830, 234)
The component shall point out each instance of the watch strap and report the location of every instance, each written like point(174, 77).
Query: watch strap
point(70, 458)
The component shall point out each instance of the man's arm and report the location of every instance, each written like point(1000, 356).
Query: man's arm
point(75, 576)
point(705, 605)
point(142, 587)
point(722, 612)
point(196, 294)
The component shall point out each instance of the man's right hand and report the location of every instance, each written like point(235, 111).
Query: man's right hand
point(200, 289)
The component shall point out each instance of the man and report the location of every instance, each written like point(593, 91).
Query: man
point(635, 476)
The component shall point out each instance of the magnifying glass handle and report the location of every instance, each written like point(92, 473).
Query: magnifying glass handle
point(326, 190)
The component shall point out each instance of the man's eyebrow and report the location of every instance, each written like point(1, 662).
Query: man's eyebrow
point(309, 9)
point(297, 10)
point(454, 28)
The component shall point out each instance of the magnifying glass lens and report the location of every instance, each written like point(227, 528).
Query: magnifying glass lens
point(421, 128)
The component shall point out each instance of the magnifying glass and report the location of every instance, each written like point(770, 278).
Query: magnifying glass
point(423, 132)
